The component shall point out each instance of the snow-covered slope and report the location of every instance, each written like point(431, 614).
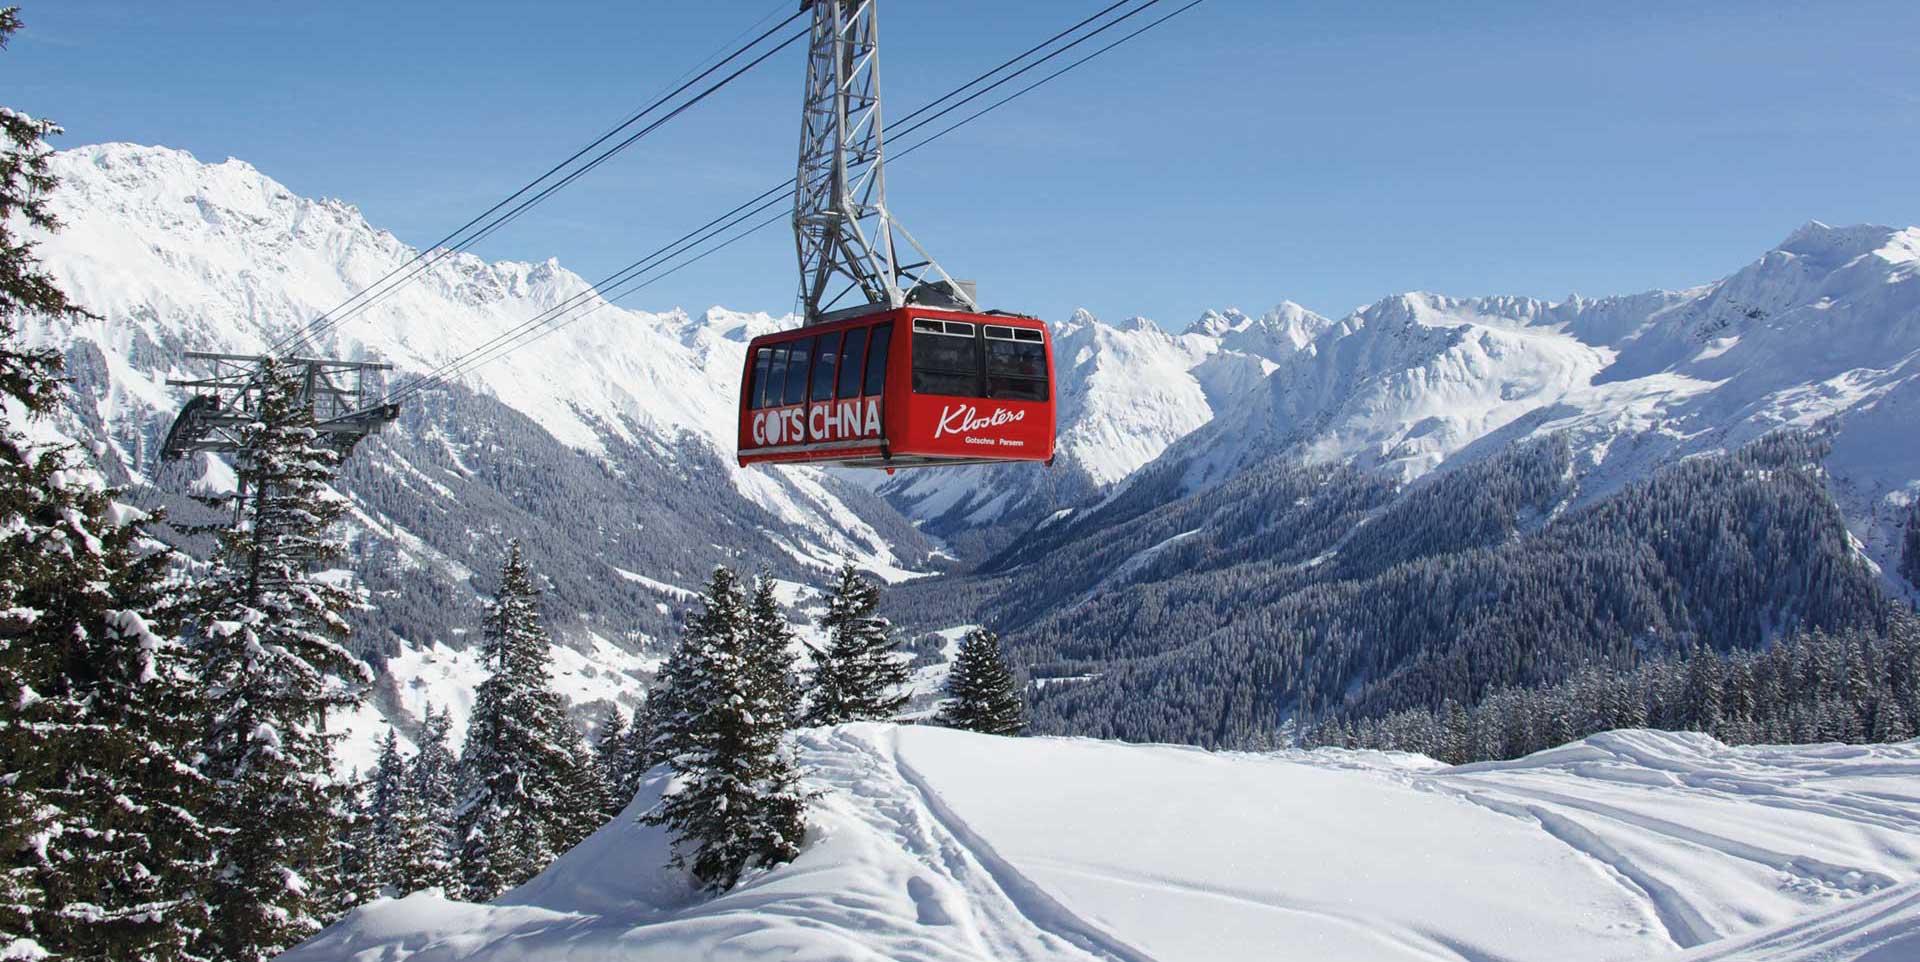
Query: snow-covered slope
point(937, 845)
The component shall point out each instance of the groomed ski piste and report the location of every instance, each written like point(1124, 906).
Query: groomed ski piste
point(929, 845)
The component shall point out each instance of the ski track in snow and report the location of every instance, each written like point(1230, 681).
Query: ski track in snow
point(927, 845)
point(1012, 918)
point(1586, 824)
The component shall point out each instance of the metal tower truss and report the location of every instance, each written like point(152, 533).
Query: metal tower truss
point(850, 245)
point(347, 404)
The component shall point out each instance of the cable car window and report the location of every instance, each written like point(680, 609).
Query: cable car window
point(823, 367)
point(877, 359)
point(797, 370)
point(850, 357)
point(947, 362)
point(761, 358)
point(1016, 369)
point(774, 391)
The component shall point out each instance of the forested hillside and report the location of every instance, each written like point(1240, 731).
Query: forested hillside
point(1298, 592)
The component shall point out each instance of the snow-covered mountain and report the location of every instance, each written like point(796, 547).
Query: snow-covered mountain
point(622, 423)
point(940, 846)
point(1824, 328)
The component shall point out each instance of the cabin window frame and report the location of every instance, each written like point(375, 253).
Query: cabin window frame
point(776, 374)
point(796, 392)
point(1014, 335)
point(841, 389)
point(830, 369)
point(881, 345)
point(957, 330)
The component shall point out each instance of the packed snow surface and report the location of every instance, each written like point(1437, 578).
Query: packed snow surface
point(943, 846)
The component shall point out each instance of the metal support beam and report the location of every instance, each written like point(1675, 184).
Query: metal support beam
point(849, 243)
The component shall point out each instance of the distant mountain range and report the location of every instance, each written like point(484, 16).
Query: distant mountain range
point(607, 445)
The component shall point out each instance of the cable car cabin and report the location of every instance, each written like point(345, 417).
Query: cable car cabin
point(901, 388)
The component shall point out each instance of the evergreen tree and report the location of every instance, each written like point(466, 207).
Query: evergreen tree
point(735, 802)
point(271, 652)
point(638, 750)
point(1910, 547)
point(982, 693)
point(528, 787)
point(99, 733)
point(1703, 692)
point(1455, 735)
point(429, 858)
point(770, 654)
point(389, 796)
point(855, 678)
point(101, 850)
point(351, 882)
point(609, 751)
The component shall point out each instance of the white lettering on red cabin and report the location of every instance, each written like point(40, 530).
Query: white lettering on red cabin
point(966, 417)
point(851, 419)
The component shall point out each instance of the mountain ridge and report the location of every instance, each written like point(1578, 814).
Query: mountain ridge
point(629, 409)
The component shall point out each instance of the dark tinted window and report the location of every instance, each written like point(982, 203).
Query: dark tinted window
point(1016, 358)
point(758, 385)
point(823, 367)
point(1016, 369)
point(946, 358)
point(850, 357)
point(774, 392)
point(797, 370)
point(877, 359)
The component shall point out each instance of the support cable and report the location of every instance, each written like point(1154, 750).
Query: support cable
point(459, 239)
point(622, 283)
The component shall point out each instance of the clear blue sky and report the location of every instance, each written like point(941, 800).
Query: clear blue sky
point(1248, 151)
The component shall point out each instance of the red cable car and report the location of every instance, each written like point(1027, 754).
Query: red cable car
point(908, 387)
point(917, 375)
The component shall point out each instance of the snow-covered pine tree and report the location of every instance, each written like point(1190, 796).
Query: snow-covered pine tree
point(736, 801)
point(431, 776)
point(982, 693)
point(1455, 735)
point(271, 651)
point(528, 789)
point(770, 654)
point(351, 882)
point(637, 750)
point(609, 747)
point(100, 846)
point(399, 850)
point(28, 377)
point(388, 795)
point(1703, 691)
point(1910, 547)
point(105, 742)
point(858, 675)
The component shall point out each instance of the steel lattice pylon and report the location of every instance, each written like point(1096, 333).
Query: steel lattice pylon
point(849, 243)
point(344, 411)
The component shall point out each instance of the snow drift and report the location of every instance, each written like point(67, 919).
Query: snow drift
point(942, 846)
